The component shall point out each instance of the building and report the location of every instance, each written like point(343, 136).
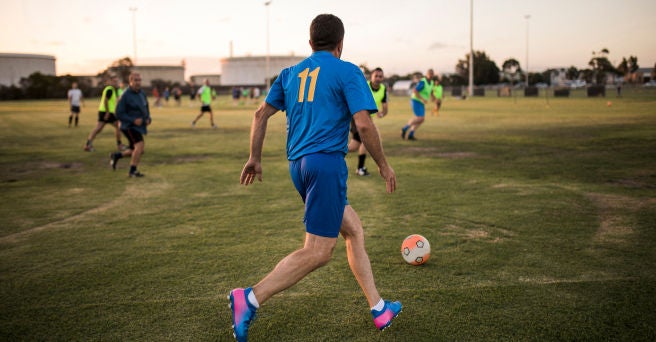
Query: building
point(149, 73)
point(251, 70)
point(215, 80)
point(14, 66)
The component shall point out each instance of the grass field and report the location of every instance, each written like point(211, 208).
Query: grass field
point(541, 214)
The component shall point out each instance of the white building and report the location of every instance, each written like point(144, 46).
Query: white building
point(14, 66)
point(251, 70)
point(160, 72)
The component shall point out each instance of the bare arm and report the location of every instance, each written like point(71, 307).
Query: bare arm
point(371, 140)
point(383, 112)
point(253, 167)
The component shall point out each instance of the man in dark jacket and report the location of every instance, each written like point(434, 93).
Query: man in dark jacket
point(133, 112)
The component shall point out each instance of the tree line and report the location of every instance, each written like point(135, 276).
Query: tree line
point(486, 72)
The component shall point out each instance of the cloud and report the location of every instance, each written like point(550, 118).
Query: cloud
point(442, 46)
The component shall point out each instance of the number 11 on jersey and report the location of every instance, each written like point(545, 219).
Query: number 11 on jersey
point(303, 75)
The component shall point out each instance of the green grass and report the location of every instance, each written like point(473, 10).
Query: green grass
point(541, 214)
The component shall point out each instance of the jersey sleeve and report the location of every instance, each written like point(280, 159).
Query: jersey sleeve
point(276, 95)
point(357, 92)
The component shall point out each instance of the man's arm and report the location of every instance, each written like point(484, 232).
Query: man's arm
point(371, 140)
point(253, 166)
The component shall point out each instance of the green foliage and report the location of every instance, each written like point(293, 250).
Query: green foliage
point(486, 70)
point(541, 219)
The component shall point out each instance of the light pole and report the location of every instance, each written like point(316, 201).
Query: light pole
point(471, 48)
point(527, 17)
point(268, 79)
point(134, 33)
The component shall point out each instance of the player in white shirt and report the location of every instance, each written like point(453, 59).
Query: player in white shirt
point(75, 99)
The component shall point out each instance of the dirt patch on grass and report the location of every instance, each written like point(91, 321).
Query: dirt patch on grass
point(188, 159)
point(133, 191)
point(476, 233)
point(614, 213)
point(436, 153)
point(27, 168)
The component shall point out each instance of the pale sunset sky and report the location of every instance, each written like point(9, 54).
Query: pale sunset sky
point(400, 36)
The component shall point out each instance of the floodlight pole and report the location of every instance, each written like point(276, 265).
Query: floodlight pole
point(471, 48)
point(268, 79)
point(134, 33)
point(527, 17)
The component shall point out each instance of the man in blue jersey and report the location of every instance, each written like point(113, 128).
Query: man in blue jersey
point(320, 95)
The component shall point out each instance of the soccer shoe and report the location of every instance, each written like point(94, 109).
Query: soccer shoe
point(122, 147)
point(113, 160)
point(193, 124)
point(243, 313)
point(412, 137)
point(403, 131)
point(362, 172)
point(89, 148)
point(384, 317)
point(136, 174)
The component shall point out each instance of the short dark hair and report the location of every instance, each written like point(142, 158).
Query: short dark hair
point(326, 31)
point(377, 69)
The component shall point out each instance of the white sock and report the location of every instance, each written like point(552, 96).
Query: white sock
point(379, 306)
point(253, 300)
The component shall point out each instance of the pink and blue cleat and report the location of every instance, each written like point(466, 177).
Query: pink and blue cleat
point(384, 317)
point(243, 313)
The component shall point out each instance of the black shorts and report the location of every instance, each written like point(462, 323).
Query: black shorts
point(111, 119)
point(205, 108)
point(133, 136)
point(354, 132)
point(75, 109)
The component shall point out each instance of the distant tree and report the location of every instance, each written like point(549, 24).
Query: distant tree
point(121, 67)
point(536, 77)
point(572, 73)
point(454, 80)
point(628, 67)
point(546, 75)
point(653, 72)
point(511, 70)
point(486, 70)
point(587, 75)
point(39, 86)
point(601, 66)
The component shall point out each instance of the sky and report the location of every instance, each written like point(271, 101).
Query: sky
point(401, 36)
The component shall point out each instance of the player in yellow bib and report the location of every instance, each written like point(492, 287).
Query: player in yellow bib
point(206, 94)
point(438, 93)
point(379, 91)
point(422, 94)
point(106, 114)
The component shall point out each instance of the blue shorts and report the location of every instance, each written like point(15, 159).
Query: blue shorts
point(320, 179)
point(418, 108)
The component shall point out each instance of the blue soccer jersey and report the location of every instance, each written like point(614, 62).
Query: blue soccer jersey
point(320, 96)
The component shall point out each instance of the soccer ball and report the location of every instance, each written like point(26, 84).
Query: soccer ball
point(415, 249)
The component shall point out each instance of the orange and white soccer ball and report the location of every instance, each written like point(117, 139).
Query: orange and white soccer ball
point(415, 249)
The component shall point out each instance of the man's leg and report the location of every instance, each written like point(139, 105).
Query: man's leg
point(136, 153)
point(212, 119)
point(383, 311)
point(193, 123)
point(316, 252)
point(356, 253)
point(89, 144)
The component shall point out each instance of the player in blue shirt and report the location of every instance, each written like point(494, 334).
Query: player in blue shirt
point(320, 95)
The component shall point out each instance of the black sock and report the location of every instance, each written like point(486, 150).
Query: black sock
point(118, 155)
point(76, 120)
point(133, 168)
point(361, 159)
point(70, 120)
point(118, 142)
